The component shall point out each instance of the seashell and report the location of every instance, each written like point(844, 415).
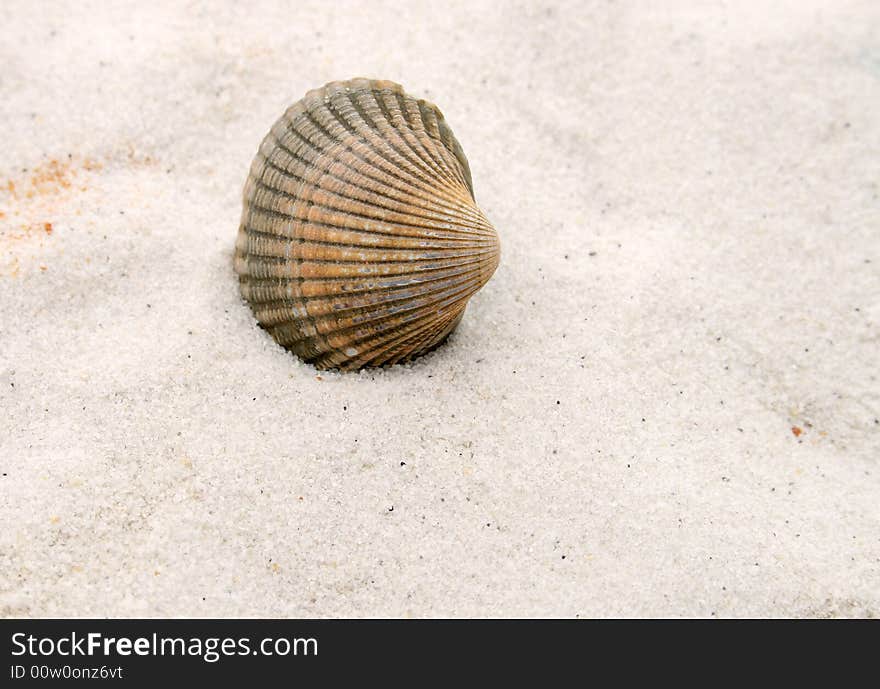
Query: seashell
point(360, 241)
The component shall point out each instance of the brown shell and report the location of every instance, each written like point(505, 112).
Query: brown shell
point(360, 241)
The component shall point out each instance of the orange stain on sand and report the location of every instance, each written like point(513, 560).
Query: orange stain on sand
point(49, 178)
point(31, 203)
point(44, 190)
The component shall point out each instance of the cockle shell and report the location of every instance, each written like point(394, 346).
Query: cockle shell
point(360, 241)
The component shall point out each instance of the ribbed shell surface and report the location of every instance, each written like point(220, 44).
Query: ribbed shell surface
point(360, 241)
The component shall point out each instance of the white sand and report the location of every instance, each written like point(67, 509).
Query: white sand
point(687, 201)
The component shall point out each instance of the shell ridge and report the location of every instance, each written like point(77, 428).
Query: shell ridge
point(337, 358)
point(371, 328)
point(315, 99)
point(420, 132)
point(412, 116)
point(313, 270)
point(414, 341)
point(431, 118)
point(370, 129)
point(365, 192)
point(321, 308)
point(374, 315)
point(384, 176)
point(371, 111)
point(311, 250)
point(319, 251)
point(316, 195)
point(395, 198)
point(420, 343)
point(349, 223)
point(434, 126)
point(396, 136)
point(456, 179)
point(372, 156)
point(324, 289)
point(305, 231)
point(398, 220)
point(381, 161)
point(375, 344)
point(424, 336)
point(405, 129)
point(317, 260)
point(348, 275)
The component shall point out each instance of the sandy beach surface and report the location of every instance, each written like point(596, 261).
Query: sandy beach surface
point(664, 403)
